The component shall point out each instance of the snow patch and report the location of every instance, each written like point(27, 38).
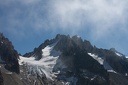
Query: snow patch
point(8, 72)
point(22, 60)
point(72, 79)
point(118, 54)
point(45, 65)
point(2, 42)
point(35, 82)
point(126, 74)
point(99, 59)
point(126, 56)
point(112, 71)
point(93, 78)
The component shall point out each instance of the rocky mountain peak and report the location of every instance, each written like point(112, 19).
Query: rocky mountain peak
point(74, 62)
point(113, 50)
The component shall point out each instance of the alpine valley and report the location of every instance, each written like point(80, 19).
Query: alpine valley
point(63, 60)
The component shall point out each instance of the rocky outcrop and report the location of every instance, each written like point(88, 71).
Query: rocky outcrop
point(8, 55)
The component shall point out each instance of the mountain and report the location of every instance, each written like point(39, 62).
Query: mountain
point(66, 60)
point(63, 60)
point(8, 55)
point(8, 59)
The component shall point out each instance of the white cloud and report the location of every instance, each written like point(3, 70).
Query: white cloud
point(103, 16)
point(101, 20)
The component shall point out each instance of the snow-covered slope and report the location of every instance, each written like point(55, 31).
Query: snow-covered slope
point(99, 59)
point(102, 62)
point(118, 54)
point(45, 65)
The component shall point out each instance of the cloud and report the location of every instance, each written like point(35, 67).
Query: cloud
point(100, 17)
point(18, 17)
point(103, 22)
point(105, 16)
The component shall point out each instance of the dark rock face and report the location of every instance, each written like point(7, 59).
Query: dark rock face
point(8, 54)
point(79, 66)
point(75, 62)
point(118, 79)
point(37, 52)
point(1, 79)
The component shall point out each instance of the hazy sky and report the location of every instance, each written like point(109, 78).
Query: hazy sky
point(27, 23)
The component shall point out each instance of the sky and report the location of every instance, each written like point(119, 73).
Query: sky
point(27, 23)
